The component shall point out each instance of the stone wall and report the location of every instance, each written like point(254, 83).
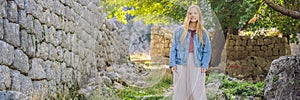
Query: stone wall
point(295, 48)
point(53, 48)
point(161, 42)
point(250, 59)
point(240, 47)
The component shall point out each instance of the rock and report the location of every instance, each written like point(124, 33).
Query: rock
point(283, 79)
point(37, 71)
point(21, 62)
point(7, 53)
point(5, 79)
point(11, 95)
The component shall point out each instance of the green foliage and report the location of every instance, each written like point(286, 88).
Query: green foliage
point(150, 11)
point(156, 92)
point(269, 18)
point(235, 88)
point(234, 13)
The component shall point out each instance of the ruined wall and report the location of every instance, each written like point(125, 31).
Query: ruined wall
point(250, 59)
point(161, 42)
point(240, 47)
point(53, 48)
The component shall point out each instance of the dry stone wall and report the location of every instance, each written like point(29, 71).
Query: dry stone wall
point(54, 48)
point(251, 59)
point(161, 42)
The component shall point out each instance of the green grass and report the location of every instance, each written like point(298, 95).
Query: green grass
point(153, 93)
point(235, 88)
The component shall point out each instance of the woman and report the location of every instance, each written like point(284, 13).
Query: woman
point(189, 57)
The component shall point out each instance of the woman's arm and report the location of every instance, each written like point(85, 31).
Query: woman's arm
point(173, 49)
point(206, 52)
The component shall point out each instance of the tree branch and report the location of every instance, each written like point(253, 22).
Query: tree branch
point(284, 11)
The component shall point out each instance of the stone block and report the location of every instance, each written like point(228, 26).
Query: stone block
point(7, 53)
point(26, 85)
point(12, 34)
point(28, 43)
point(3, 4)
point(40, 89)
point(260, 42)
point(5, 79)
point(29, 24)
point(49, 70)
point(22, 19)
point(52, 52)
point(275, 52)
point(1, 29)
point(21, 61)
point(264, 48)
point(12, 11)
point(20, 3)
point(16, 80)
point(37, 72)
point(38, 31)
point(42, 50)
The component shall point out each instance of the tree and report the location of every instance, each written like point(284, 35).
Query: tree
point(294, 12)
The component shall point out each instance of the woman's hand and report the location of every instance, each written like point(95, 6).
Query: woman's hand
point(173, 69)
point(203, 70)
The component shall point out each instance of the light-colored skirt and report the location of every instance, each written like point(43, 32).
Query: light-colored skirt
point(189, 82)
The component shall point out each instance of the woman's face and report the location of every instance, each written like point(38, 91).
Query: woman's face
point(193, 15)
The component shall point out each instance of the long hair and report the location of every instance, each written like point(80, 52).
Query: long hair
point(199, 26)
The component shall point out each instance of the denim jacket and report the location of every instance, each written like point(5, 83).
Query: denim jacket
point(179, 51)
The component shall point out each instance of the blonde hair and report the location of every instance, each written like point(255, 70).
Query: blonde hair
point(199, 26)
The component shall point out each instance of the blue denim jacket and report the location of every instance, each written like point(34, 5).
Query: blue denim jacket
point(179, 51)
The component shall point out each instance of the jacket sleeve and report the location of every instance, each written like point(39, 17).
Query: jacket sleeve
point(206, 52)
point(173, 49)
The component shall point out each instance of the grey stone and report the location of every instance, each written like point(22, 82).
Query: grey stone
point(49, 69)
point(1, 28)
point(66, 76)
point(52, 52)
point(57, 7)
point(16, 80)
point(29, 24)
point(75, 62)
point(12, 34)
point(66, 41)
point(58, 71)
point(283, 78)
point(26, 85)
point(83, 2)
point(3, 4)
point(47, 17)
point(49, 33)
point(60, 53)
point(22, 19)
point(54, 20)
point(113, 76)
point(107, 81)
point(38, 30)
point(21, 61)
point(37, 71)
point(30, 6)
point(12, 11)
point(52, 91)
point(7, 53)
point(12, 95)
point(42, 50)
point(28, 43)
point(5, 79)
point(20, 3)
point(40, 89)
point(67, 57)
point(37, 12)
